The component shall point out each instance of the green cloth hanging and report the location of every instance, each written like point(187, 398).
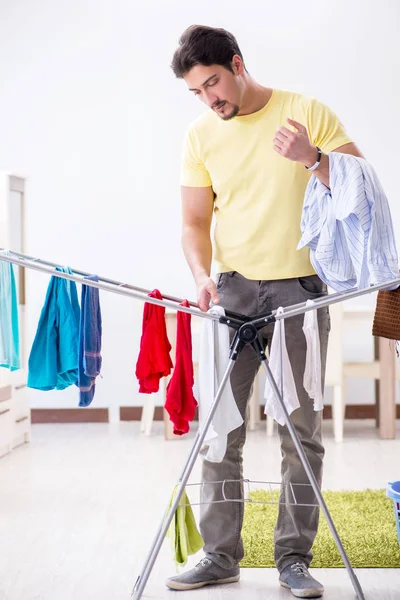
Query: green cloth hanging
point(182, 532)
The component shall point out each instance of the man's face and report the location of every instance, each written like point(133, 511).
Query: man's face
point(217, 87)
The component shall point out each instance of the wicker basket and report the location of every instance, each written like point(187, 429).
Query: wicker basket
point(387, 315)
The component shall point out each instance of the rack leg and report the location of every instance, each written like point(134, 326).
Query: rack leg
point(168, 515)
point(314, 484)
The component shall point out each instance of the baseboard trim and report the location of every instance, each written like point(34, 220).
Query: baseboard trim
point(353, 411)
point(69, 415)
point(359, 411)
point(134, 413)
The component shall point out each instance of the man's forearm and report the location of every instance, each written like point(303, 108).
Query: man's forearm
point(197, 248)
point(322, 171)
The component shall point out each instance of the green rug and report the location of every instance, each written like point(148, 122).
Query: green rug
point(364, 520)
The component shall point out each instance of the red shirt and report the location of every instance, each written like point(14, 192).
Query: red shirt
point(154, 361)
point(180, 402)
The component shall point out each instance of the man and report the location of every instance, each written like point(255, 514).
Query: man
point(248, 160)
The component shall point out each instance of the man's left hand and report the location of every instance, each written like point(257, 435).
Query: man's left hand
point(295, 146)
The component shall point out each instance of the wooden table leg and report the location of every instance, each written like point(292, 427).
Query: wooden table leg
point(387, 395)
point(168, 428)
point(377, 384)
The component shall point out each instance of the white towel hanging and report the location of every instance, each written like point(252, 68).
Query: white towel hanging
point(282, 372)
point(213, 361)
point(312, 373)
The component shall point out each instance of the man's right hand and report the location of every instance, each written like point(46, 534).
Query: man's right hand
point(206, 292)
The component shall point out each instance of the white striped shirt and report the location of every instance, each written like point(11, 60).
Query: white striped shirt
point(348, 227)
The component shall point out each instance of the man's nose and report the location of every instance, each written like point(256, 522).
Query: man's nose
point(211, 98)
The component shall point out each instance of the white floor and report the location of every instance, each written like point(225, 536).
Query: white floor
point(80, 504)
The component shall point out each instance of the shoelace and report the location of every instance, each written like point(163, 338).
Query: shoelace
point(300, 569)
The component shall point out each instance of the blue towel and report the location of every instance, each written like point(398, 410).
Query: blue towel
point(89, 342)
point(53, 361)
point(9, 331)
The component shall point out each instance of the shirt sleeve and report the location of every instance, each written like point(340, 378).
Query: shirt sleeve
point(193, 169)
point(324, 127)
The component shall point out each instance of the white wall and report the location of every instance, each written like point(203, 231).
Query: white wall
point(91, 113)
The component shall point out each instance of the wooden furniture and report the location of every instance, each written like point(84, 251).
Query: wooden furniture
point(15, 422)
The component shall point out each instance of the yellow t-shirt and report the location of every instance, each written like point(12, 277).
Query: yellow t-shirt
point(258, 193)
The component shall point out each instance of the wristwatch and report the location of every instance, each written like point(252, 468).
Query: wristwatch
point(316, 164)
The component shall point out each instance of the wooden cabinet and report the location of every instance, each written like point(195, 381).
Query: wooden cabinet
point(15, 421)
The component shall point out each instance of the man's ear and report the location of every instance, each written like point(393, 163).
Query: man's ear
point(237, 65)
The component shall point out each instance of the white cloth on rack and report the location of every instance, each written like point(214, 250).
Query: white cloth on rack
point(281, 370)
point(312, 373)
point(213, 362)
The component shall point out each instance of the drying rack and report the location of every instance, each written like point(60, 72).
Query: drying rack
point(246, 333)
point(272, 492)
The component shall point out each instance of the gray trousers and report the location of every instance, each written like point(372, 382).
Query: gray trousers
point(296, 527)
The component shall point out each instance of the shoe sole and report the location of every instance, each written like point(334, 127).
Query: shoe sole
point(176, 585)
point(303, 593)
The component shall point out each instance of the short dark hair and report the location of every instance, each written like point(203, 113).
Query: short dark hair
point(202, 45)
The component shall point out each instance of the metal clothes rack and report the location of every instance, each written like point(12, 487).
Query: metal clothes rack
point(272, 492)
point(246, 332)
